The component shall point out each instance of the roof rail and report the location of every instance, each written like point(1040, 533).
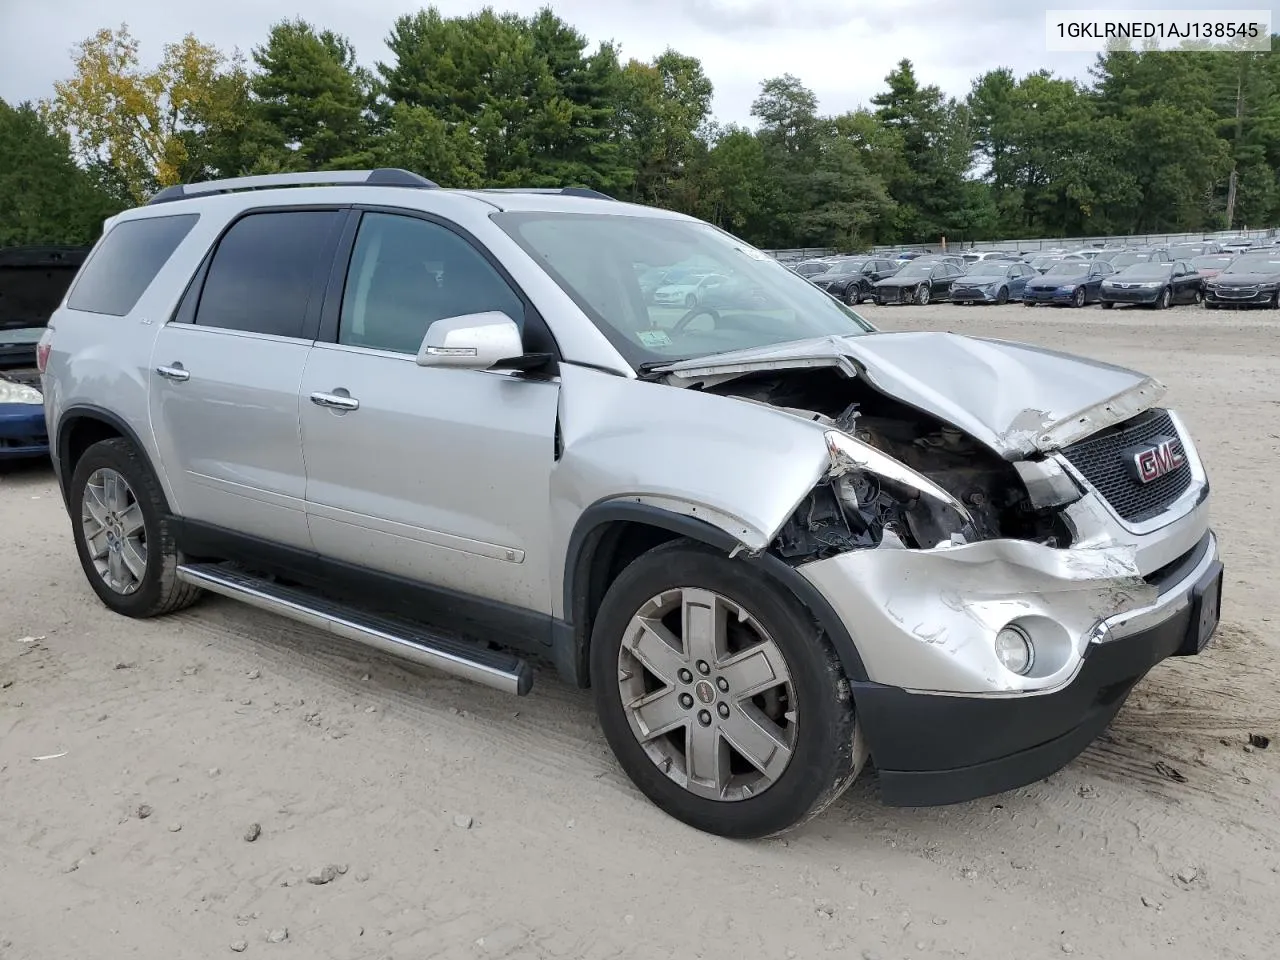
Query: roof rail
point(562, 191)
point(382, 177)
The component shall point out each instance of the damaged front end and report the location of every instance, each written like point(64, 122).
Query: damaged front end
point(956, 570)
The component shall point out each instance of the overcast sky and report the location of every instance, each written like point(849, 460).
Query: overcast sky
point(842, 49)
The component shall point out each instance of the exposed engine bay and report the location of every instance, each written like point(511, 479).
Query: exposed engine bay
point(859, 509)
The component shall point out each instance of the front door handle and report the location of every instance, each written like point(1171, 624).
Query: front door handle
point(335, 401)
point(174, 372)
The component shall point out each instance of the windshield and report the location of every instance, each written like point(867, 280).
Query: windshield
point(811, 269)
point(751, 301)
point(1122, 260)
point(1067, 268)
point(1146, 271)
point(1255, 263)
point(1212, 262)
point(914, 268)
point(844, 266)
point(987, 268)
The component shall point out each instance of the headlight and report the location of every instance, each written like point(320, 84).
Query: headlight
point(1014, 650)
point(12, 392)
point(1068, 288)
point(1152, 285)
point(935, 517)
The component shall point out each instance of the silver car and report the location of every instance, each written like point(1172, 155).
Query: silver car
point(773, 540)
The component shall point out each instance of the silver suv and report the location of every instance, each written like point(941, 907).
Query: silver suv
point(774, 541)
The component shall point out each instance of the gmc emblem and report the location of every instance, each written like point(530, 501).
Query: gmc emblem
point(1152, 460)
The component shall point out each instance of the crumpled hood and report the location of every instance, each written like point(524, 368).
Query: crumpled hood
point(1014, 398)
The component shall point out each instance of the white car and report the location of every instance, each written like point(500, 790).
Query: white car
point(688, 290)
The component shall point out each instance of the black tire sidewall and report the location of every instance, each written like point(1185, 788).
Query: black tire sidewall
point(1081, 298)
point(823, 752)
point(119, 456)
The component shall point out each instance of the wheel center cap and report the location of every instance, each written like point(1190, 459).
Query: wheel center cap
point(705, 692)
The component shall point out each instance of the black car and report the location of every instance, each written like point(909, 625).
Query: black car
point(1158, 285)
point(992, 281)
point(33, 281)
point(1251, 280)
point(1068, 283)
point(918, 282)
point(851, 278)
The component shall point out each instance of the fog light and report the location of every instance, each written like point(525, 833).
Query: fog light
point(1015, 650)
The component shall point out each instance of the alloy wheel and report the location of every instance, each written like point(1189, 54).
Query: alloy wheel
point(114, 530)
point(707, 694)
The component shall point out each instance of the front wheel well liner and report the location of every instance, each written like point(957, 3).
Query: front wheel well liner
point(610, 534)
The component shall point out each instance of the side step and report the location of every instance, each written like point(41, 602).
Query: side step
point(461, 658)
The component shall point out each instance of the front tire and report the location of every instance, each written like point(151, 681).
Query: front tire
point(853, 296)
point(1002, 297)
point(923, 294)
point(1079, 299)
point(721, 698)
point(1165, 299)
point(691, 300)
point(121, 527)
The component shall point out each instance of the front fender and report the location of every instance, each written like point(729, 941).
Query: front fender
point(739, 467)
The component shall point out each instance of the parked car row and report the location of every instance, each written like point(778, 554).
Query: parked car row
point(1234, 275)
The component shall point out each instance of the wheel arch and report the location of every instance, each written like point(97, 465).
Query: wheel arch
point(611, 533)
point(79, 428)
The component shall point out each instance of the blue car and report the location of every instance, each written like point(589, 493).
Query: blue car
point(1068, 283)
point(33, 281)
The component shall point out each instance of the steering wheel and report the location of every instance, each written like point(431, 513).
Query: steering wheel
point(679, 326)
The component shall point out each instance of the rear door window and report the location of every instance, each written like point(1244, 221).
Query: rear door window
point(128, 260)
point(267, 272)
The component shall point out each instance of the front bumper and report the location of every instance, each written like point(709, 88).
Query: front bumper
point(22, 431)
point(885, 296)
point(974, 294)
point(1240, 297)
point(1135, 295)
point(1056, 295)
point(963, 727)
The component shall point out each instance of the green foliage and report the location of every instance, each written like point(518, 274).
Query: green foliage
point(44, 196)
point(1154, 142)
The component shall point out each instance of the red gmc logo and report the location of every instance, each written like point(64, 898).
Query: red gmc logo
point(1152, 461)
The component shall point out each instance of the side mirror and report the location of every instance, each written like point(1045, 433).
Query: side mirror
point(475, 341)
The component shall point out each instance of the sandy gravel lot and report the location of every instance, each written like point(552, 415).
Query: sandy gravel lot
point(222, 717)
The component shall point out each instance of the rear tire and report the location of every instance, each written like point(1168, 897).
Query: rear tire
point(648, 678)
point(122, 532)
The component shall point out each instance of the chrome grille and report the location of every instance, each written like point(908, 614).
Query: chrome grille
point(1100, 459)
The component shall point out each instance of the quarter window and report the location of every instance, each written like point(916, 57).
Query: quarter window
point(265, 271)
point(130, 257)
point(407, 273)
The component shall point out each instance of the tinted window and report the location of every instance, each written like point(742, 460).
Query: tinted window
point(265, 270)
point(131, 255)
point(407, 273)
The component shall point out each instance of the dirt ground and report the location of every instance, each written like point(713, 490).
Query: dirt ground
point(473, 825)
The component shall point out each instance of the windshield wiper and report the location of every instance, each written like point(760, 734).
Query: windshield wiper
point(649, 366)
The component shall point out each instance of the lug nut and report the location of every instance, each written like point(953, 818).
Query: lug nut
point(686, 701)
point(704, 718)
point(723, 684)
point(703, 667)
point(685, 676)
point(723, 709)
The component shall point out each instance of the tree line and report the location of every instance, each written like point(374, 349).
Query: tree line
point(1153, 141)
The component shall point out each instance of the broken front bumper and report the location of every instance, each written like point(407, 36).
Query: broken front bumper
point(945, 721)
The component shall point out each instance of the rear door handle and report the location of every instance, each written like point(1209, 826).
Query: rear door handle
point(335, 401)
point(174, 372)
